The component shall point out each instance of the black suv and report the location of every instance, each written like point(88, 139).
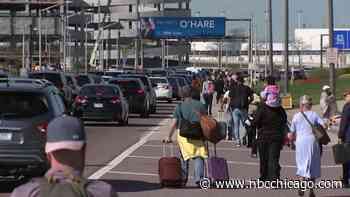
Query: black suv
point(26, 108)
point(59, 80)
point(149, 88)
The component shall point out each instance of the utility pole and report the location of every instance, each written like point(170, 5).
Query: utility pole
point(331, 32)
point(286, 47)
point(269, 6)
point(137, 41)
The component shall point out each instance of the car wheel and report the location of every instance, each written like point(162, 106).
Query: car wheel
point(146, 112)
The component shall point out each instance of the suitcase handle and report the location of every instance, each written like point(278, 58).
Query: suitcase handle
point(171, 149)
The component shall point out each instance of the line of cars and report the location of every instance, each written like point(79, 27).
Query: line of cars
point(29, 104)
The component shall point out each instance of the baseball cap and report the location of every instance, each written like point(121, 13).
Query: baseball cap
point(326, 87)
point(65, 133)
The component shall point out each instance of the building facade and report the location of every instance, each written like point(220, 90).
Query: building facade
point(119, 45)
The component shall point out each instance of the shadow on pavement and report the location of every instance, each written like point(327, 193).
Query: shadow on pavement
point(132, 186)
point(101, 124)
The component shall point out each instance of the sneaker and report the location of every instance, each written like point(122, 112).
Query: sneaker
point(301, 193)
point(254, 156)
point(312, 193)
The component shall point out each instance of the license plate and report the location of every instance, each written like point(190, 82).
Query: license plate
point(5, 136)
point(98, 105)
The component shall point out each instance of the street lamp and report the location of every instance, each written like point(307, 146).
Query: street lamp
point(58, 3)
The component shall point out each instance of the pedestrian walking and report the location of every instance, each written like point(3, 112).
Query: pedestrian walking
point(219, 88)
point(308, 154)
point(208, 93)
point(328, 103)
point(270, 123)
point(196, 88)
point(240, 98)
point(344, 135)
point(190, 149)
point(271, 93)
point(65, 149)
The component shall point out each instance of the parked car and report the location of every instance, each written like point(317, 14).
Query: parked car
point(149, 88)
point(186, 77)
point(84, 79)
point(101, 103)
point(136, 94)
point(177, 89)
point(164, 90)
point(3, 75)
point(59, 80)
point(27, 106)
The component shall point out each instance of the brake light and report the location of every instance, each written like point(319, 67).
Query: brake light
point(43, 127)
point(140, 91)
point(81, 100)
point(115, 100)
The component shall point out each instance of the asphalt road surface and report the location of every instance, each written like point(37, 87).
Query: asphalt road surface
point(127, 158)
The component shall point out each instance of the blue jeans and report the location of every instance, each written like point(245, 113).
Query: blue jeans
point(198, 168)
point(237, 117)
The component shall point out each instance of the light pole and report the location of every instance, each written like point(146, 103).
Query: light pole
point(300, 13)
point(269, 6)
point(39, 23)
point(331, 33)
point(286, 47)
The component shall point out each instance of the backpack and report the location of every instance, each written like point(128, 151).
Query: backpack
point(211, 88)
point(75, 187)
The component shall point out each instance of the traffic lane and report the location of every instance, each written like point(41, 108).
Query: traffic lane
point(106, 141)
point(137, 175)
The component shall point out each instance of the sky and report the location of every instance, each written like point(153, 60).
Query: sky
point(313, 13)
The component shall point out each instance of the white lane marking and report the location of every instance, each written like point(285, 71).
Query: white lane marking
point(232, 149)
point(235, 162)
point(116, 161)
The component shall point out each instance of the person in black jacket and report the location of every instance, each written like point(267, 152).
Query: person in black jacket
point(271, 123)
point(240, 97)
point(219, 88)
point(344, 135)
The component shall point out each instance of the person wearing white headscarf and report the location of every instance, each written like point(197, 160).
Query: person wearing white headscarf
point(328, 103)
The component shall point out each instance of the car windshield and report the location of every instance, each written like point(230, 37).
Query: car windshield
point(143, 79)
point(127, 85)
point(99, 91)
point(82, 80)
point(14, 105)
point(158, 80)
point(55, 78)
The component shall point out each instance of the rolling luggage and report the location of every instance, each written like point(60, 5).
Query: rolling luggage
point(217, 168)
point(341, 153)
point(170, 171)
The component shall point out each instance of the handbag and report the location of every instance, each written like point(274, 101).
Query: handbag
point(319, 132)
point(341, 153)
point(210, 128)
point(188, 129)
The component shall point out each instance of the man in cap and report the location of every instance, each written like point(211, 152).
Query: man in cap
point(65, 149)
point(328, 103)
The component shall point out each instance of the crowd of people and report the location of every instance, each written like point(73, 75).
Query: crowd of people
point(267, 126)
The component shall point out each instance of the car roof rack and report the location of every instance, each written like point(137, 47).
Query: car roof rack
point(37, 82)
